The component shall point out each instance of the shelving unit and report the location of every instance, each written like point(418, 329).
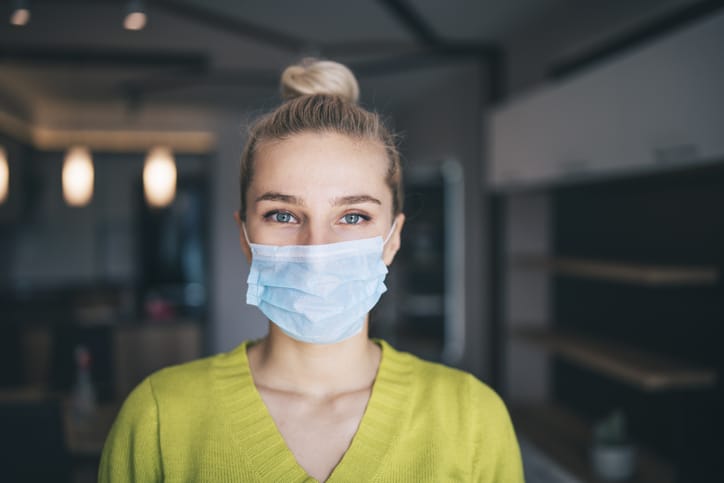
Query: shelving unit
point(656, 275)
point(643, 370)
point(606, 190)
point(565, 438)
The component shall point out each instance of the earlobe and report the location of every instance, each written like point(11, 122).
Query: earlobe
point(393, 244)
point(245, 248)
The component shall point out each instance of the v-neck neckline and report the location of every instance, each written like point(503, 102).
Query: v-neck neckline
point(258, 437)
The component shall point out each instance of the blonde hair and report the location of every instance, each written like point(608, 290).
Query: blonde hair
point(313, 76)
point(321, 96)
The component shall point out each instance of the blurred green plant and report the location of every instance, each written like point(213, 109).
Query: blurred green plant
point(611, 431)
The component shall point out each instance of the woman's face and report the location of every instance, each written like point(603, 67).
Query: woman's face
point(317, 188)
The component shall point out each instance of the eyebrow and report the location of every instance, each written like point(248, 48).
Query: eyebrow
point(355, 199)
point(340, 201)
point(274, 196)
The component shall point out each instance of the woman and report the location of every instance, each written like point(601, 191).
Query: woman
point(316, 399)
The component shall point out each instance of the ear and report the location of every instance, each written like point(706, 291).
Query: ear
point(393, 244)
point(242, 239)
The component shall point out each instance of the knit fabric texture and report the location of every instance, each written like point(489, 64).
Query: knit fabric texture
point(205, 421)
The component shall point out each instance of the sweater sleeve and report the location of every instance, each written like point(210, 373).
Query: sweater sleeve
point(497, 458)
point(510, 466)
point(131, 452)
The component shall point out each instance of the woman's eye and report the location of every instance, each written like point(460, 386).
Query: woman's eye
point(353, 218)
point(281, 217)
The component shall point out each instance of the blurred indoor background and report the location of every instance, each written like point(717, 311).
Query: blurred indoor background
point(564, 193)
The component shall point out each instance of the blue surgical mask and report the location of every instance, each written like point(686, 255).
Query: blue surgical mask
point(319, 294)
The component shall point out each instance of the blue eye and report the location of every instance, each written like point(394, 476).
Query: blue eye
point(353, 218)
point(282, 217)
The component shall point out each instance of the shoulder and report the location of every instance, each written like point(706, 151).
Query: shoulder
point(188, 382)
point(462, 419)
point(183, 378)
point(433, 378)
point(456, 398)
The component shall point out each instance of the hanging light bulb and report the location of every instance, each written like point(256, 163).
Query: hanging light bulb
point(78, 176)
point(135, 16)
point(21, 13)
point(159, 177)
point(4, 175)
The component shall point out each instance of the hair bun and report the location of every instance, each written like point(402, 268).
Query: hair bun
point(313, 76)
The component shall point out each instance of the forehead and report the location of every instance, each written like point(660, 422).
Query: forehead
point(321, 163)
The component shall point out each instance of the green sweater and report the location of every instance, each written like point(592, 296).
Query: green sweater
point(204, 421)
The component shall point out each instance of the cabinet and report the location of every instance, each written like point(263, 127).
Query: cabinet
point(564, 131)
point(656, 106)
point(673, 97)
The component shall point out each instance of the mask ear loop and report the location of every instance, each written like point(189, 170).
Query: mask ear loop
point(246, 236)
point(389, 234)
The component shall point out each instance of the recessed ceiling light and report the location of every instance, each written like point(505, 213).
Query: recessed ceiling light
point(21, 13)
point(135, 16)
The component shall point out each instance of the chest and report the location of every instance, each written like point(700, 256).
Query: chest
point(317, 432)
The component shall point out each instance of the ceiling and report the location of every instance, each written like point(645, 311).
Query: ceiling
point(229, 53)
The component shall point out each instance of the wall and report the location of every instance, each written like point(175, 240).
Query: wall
point(446, 124)
point(526, 292)
point(232, 319)
point(11, 210)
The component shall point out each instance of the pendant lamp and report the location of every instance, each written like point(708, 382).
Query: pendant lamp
point(4, 175)
point(159, 177)
point(78, 176)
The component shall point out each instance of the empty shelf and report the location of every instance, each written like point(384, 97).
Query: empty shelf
point(623, 272)
point(640, 369)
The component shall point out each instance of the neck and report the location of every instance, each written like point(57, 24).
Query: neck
point(318, 370)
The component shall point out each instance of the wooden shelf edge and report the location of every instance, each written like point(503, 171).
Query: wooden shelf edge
point(566, 438)
point(654, 275)
point(643, 370)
